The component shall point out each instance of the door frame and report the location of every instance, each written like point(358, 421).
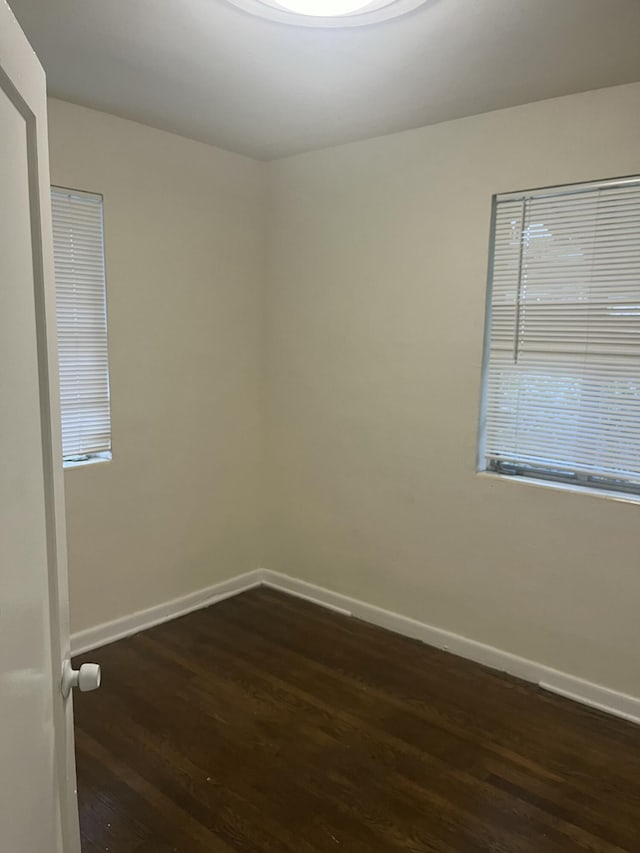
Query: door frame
point(23, 80)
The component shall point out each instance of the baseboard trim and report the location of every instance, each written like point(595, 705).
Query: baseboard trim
point(552, 680)
point(569, 686)
point(109, 632)
point(594, 695)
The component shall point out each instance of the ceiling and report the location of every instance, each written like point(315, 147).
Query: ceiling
point(209, 71)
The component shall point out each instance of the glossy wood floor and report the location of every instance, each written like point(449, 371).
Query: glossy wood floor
point(268, 724)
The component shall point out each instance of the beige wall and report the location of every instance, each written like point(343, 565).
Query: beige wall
point(377, 271)
point(368, 358)
point(177, 508)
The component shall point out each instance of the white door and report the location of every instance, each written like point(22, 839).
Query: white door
point(38, 811)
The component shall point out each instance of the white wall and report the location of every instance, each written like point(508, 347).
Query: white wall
point(177, 508)
point(377, 275)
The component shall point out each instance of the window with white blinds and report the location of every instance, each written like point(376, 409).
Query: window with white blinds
point(78, 248)
point(561, 395)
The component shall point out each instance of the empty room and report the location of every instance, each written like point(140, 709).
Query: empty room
point(320, 431)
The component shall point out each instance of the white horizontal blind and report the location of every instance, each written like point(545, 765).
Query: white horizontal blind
point(562, 376)
point(78, 247)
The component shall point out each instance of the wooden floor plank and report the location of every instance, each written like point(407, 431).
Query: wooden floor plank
point(266, 724)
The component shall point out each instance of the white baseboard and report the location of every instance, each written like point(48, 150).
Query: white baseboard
point(109, 632)
point(569, 686)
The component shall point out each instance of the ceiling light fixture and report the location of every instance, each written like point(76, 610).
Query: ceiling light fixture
point(326, 8)
point(327, 13)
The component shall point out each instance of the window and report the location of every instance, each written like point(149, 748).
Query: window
point(78, 249)
point(561, 384)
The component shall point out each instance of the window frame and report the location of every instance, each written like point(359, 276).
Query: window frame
point(80, 460)
point(568, 479)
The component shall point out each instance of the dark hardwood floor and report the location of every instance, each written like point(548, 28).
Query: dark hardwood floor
point(267, 724)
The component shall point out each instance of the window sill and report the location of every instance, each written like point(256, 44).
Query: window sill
point(92, 459)
point(623, 497)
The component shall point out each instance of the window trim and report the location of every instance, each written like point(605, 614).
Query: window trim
point(82, 460)
point(548, 478)
point(69, 462)
point(561, 486)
